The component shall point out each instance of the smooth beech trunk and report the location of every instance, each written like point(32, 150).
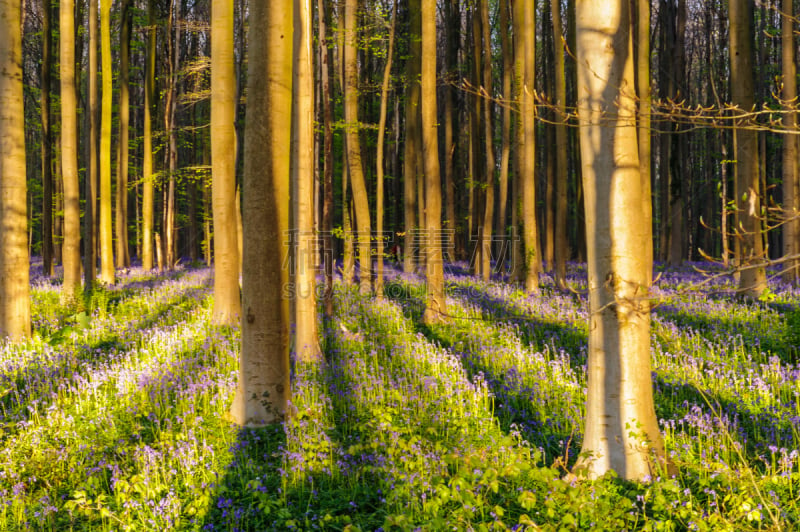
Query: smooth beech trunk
point(753, 279)
point(379, 194)
point(263, 391)
point(354, 158)
point(147, 156)
point(790, 181)
point(562, 172)
point(47, 141)
point(413, 139)
point(435, 308)
point(306, 343)
point(621, 432)
point(71, 252)
point(15, 310)
point(227, 300)
point(121, 220)
point(106, 234)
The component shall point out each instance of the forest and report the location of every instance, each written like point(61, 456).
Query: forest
point(399, 265)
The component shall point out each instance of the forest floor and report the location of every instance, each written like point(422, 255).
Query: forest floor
point(113, 416)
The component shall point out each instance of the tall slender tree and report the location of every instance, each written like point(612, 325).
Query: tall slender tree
point(71, 253)
point(121, 219)
point(263, 392)
point(527, 148)
point(753, 278)
point(147, 155)
point(379, 192)
point(435, 308)
point(791, 194)
point(305, 302)
point(413, 136)
point(562, 172)
point(106, 236)
point(621, 431)
point(227, 301)
point(47, 140)
point(15, 313)
point(354, 157)
point(92, 159)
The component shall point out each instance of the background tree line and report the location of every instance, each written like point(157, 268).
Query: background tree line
point(453, 128)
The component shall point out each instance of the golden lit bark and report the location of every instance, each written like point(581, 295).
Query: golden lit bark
point(71, 254)
point(621, 432)
point(263, 390)
point(15, 313)
point(227, 300)
point(106, 235)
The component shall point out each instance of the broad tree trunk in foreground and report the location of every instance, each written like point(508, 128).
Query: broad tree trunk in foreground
point(227, 301)
point(263, 390)
point(621, 431)
point(15, 313)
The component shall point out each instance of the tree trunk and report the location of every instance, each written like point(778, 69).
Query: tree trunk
point(621, 427)
point(306, 343)
point(147, 156)
point(47, 142)
point(387, 71)
point(90, 217)
point(450, 118)
point(15, 312)
point(528, 148)
point(263, 390)
point(354, 163)
point(642, 25)
point(121, 220)
point(227, 300)
point(753, 280)
point(325, 59)
point(71, 253)
point(488, 125)
point(106, 235)
point(435, 308)
point(562, 173)
point(790, 180)
point(413, 136)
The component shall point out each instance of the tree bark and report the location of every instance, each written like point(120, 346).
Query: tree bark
point(306, 343)
point(47, 141)
point(227, 300)
point(435, 308)
point(263, 390)
point(413, 137)
point(71, 253)
point(790, 180)
point(15, 313)
point(90, 217)
point(354, 161)
point(528, 148)
point(121, 221)
point(562, 172)
point(147, 156)
point(325, 59)
point(621, 428)
point(753, 279)
point(106, 235)
point(387, 72)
